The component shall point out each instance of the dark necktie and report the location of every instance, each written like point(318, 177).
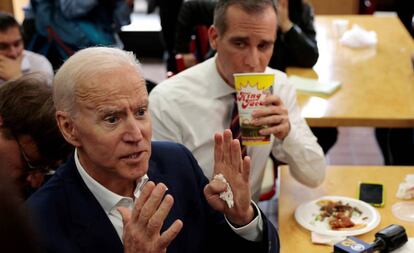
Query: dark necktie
point(235, 126)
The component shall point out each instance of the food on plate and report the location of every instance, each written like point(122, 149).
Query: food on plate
point(339, 215)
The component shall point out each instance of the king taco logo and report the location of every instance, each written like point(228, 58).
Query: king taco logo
point(249, 99)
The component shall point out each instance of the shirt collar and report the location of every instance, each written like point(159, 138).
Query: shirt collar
point(25, 65)
point(221, 88)
point(106, 198)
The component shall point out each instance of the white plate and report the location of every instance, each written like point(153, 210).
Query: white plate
point(404, 211)
point(306, 214)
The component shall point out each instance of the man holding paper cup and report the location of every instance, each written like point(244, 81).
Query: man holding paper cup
point(189, 107)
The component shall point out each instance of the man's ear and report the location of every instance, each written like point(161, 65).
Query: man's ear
point(67, 128)
point(213, 36)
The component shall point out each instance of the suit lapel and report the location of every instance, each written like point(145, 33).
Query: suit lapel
point(155, 174)
point(90, 225)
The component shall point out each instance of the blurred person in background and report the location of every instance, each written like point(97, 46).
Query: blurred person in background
point(30, 142)
point(65, 26)
point(168, 11)
point(14, 60)
point(397, 144)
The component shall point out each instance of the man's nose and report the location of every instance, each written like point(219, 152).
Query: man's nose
point(252, 59)
point(12, 52)
point(133, 132)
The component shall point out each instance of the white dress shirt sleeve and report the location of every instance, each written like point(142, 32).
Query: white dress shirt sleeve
point(300, 148)
point(252, 231)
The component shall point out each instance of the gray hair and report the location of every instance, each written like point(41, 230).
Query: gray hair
point(249, 6)
point(85, 65)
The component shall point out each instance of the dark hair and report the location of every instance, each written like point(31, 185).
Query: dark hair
point(7, 21)
point(250, 6)
point(26, 108)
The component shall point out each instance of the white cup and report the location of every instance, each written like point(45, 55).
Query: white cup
point(339, 27)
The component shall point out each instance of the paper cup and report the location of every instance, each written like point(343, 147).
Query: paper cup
point(251, 89)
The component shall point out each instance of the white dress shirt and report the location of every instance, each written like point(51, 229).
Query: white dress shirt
point(191, 106)
point(33, 62)
point(110, 201)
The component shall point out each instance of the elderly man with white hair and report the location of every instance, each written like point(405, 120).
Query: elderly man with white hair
point(120, 192)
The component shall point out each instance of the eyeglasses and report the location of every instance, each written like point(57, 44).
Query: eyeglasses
point(30, 165)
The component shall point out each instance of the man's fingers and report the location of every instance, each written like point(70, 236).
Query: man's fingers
point(215, 187)
point(143, 197)
point(227, 139)
point(218, 148)
point(151, 205)
point(276, 130)
point(212, 194)
point(168, 235)
point(246, 168)
point(236, 155)
point(269, 111)
point(156, 221)
point(270, 120)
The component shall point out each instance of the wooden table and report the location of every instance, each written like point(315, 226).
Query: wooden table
point(377, 83)
point(341, 181)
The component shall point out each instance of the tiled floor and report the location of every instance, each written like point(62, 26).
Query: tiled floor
point(355, 145)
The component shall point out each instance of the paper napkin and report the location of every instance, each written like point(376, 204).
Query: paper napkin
point(358, 37)
point(310, 85)
point(406, 188)
point(326, 239)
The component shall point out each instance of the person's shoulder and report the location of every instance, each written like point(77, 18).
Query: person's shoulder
point(34, 55)
point(280, 76)
point(38, 62)
point(188, 82)
point(168, 149)
point(48, 196)
point(52, 192)
point(170, 153)
point(175, 161)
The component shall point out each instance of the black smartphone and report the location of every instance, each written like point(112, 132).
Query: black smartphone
point(372, 194)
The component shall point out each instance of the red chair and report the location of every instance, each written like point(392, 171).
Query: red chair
point(199, 46)
point(268, 187)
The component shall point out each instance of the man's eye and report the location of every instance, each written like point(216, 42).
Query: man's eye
point(141, 112)
point(239, 44)
point(18, 43)
point(111, 119)
point(3, 46)
point(264, 46)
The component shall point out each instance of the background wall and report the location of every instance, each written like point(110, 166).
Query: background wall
point(15, 7)
point(335, 6)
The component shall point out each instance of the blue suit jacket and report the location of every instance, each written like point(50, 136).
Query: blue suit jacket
point(70, 219)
